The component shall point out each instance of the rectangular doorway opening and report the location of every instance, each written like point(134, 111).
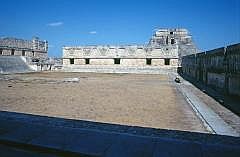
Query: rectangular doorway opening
point(149, 61)
point(166, 61)
point(1, 51)
point(116, 60)
point(87, 61)
point(23, 52)
point(71, 60)
point(12, 52)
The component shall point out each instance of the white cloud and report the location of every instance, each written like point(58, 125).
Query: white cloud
point(55, 24)
point(93, 32)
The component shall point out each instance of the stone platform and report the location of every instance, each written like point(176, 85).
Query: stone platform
point(119, 69)
point(13, 64)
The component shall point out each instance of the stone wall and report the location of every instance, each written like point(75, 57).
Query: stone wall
point(21, 52)
point(133, 62)
point(19, 47)
point(158, 62)
point(218, 68)
point(120, 52)
point(128, 55)
point(100, 61)
point(164, 49)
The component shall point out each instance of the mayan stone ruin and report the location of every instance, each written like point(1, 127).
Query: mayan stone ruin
point(20, 47)
point(163, 97)
point(165, 48)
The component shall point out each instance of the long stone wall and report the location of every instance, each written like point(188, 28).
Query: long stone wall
point(165, 48)
point(127, 55)
point(218, 68)
point(120, 52)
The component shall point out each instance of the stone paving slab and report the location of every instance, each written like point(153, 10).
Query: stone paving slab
point(76, 140)
point(24, 134)
point(220, 150)
point(51, 138)
point(90, 142)
point(97, 142)
point(171, 147)
point(7, 127)
point(129, 146)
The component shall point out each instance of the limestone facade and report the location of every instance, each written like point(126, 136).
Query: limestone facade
point(18, 47)
point(165, 48)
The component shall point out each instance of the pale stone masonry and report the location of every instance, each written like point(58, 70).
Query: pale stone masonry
point(19, 47)
point(165, 48)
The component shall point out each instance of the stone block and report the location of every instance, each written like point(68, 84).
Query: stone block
point(131, 146)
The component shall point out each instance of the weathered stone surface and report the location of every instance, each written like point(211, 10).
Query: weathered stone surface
point(170, 44)
point(13, 64)
point(218, 68)
point(98, 140)
point(20, 47)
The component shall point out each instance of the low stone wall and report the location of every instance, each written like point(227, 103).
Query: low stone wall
point(24, 132)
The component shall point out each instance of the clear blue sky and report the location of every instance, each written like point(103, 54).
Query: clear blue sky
point(213, 23)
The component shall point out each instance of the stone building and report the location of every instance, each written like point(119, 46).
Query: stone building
point(18, 47)
point(165, 48)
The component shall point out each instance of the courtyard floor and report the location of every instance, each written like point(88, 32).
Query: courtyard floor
point(128, 99)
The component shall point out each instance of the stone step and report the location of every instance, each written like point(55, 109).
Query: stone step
point(13, 64)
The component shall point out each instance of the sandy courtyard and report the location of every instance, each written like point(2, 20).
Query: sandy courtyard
point(129, 99)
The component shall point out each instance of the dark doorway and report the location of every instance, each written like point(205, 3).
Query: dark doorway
point(12, 52)
point(167, 61)
point(116, 60)
point(167, 40)
point(23, 53)
point(87, 61)
point(71, 60)
point(148, 61)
